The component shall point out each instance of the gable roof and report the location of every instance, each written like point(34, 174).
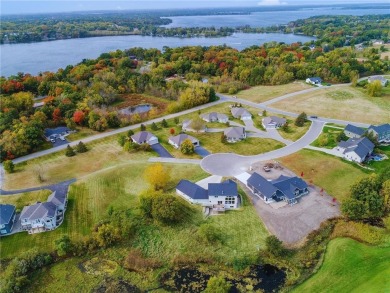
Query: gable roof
point(239, 112)
point(235, 132)
point(226, 188)
point(381, 129)
point(315, 79)
point(361, 146)
point(6, 213)
point(39, 211)
point(288, 185)
point(275, 120)
point(57, 198)
point(142, 136)
point(214, 116)
point(192, 190)
point(178, 139)
point(262, 185)
point(354, 129)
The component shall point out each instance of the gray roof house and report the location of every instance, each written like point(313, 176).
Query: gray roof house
point(39, 217)
point(144, 137)
point(381, 132)
point(273, 122)
point(215, 117)
point(177, 140)
point(241, 113)
point(234, 134)
point(7, 218)
point(353, 131)
point(219, 196)
point(314, 80)
point(356, 149)
point(380, 78)
point(284, 188)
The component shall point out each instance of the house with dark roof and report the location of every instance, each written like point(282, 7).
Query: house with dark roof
point(234, 134)
point(215, 117)
point(356, 149)
point(314, 80)
point(381, 132)
point(353, 131)
point(177, 140)
point(284, 188)
point(39, 217)
point(7, 218)
point(273, 122)
point(220, 196)
point(144, 137)
point(241, 113)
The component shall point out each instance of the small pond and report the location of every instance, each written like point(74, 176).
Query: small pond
point(136, 109)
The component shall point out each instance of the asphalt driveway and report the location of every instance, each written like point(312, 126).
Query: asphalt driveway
point(161, 151)
point(201, 151)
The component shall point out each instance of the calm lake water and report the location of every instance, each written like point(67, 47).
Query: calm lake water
point(50, 56)
point(266, 18)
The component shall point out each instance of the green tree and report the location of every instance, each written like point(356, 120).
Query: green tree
point(164, 123)
point(274, 246)
point(9, 166)
point(130, 133)
point(187, 147)
point(81, 147)
point(143, 127)
point(223, 138)
point(154, 126)
point(176, 120)
point(107, 235)
point(341, 136)
point(167, 209)
point(217, 285)
point(374, 89)
point(301, 119)
point(63, 245)
point(69, 151)
point(197, 124)
point(385, 192)
point(146, 203)
point(122, 140)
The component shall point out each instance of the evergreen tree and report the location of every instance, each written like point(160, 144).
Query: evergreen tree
point(81, 147)
point(143, 127)
point(154, 126)
point(164, 123)
point(69, 151)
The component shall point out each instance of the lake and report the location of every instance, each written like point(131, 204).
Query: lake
point(50, 56)
point(266, 18)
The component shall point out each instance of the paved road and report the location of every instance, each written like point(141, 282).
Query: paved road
point(229, 164)
point(161, 151)
point(174, 160)
point(58, 187)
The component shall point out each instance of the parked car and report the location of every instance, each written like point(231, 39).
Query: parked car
point(266, 169)
point(62, 138)
point(53, 140)
point(314, 117)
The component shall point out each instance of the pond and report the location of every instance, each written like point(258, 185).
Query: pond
point(136, 109)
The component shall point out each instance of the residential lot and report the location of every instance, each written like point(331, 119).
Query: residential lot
point(346, 103)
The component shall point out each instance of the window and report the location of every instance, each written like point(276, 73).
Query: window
point(230, 200)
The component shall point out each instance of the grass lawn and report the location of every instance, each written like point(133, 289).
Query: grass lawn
point(328, 138)
point(264, 93)
point(22, 199)
point(379, 166)
point(328, 172)
point(294, 132)
point(350, 266)
point(89, 199)
point(346, 103)
point(82, 132)
point(57, 167)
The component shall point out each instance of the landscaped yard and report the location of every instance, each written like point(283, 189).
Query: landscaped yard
point(333, 174)
point(22, 199)
point(264, 93)
point(294, 132)
point(350, 266)
point(328, 137)
point(345, 103)
point(380, 165)
point(89, 199)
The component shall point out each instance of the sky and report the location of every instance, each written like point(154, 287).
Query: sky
point(47, 6)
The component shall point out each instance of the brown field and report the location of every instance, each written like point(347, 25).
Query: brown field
point(264, 93)
point(346, 103)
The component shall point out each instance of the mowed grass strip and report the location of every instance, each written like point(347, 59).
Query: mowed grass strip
point(345, 103)
point(350, 266)
point(23, 199)
point(89, 200)
point(57, 167)
point(326, 171)
point(264, 93)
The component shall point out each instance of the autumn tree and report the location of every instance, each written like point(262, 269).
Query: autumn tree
point(157, 176)
point(107, 235)
point(187, 147)
point(172, 131)
point(197, 124)
point(57, 116)
point(374, 89)
point(78, 117)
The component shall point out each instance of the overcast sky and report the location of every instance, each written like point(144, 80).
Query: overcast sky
point(22, 7)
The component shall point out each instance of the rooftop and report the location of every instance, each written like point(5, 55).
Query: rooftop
point(6, 212)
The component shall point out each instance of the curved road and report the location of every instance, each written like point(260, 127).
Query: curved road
point(230, 164)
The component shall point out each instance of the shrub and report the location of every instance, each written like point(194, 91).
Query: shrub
point(301, 119)
point(167, 209)
point(106, 235)
point(69, 151)
point(143, 127)
point(217, 285)
point(187, 147)
point(63, 245)
point(176, 120)
point(274, 246)
point(9, 166)
point(130, 133)
point(122, 140)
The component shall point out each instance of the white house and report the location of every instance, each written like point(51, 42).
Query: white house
point(177, 140)
point(215, 117)
point(144, 137)
point(382, 80)
point(39, 217)
point(381, 132)
point(273, 122)
point(234, 134)
point(241, 113)
point(356, 149)
point(314, 80)
point(219, 196)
